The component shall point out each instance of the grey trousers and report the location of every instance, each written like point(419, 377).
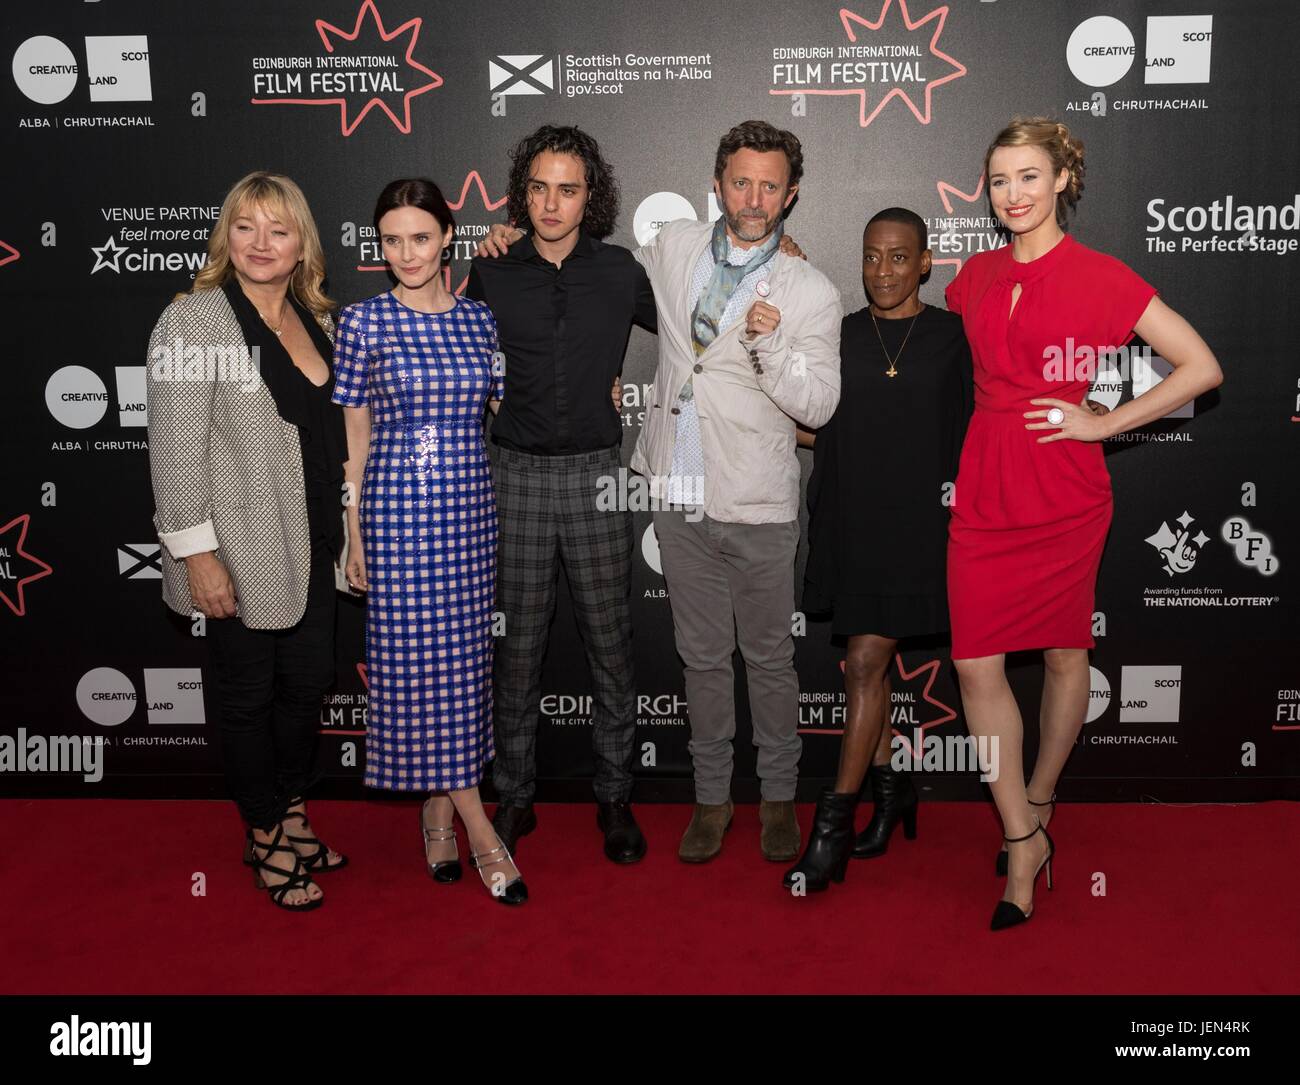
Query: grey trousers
point(548, 514)
point(729, 582)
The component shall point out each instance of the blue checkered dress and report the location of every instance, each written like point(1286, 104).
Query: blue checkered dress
point(429, 527)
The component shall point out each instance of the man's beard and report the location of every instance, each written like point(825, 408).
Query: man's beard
point(750, 227)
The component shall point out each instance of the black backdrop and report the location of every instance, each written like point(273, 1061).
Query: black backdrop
point(125, 123)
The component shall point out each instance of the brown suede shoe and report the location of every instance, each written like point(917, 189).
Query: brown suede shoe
point(780, 838)
point(703, 837)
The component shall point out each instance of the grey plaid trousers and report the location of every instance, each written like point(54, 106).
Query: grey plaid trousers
point(546, 506)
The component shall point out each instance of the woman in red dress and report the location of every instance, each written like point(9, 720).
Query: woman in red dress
point(1033, 500)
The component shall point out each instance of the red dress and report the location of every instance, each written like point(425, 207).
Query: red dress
point(1029, 521)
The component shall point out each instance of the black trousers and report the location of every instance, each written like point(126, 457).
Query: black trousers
point(270, 684)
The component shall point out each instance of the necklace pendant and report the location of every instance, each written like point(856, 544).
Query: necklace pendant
point(891, 371)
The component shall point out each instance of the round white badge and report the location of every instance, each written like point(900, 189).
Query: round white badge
point(763, 288)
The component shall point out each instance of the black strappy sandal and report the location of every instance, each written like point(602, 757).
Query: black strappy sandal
point(318, 861)
point(298, 878)
point(1001, 865)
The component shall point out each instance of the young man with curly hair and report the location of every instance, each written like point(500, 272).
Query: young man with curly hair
point(564, 303)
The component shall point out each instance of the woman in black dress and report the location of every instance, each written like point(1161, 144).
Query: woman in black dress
point(878, 522)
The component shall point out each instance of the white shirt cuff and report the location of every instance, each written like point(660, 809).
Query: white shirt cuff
point(191, 540)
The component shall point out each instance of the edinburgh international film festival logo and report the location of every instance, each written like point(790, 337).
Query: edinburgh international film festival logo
point(894, 56)
point(111, 69)
point(369, 69)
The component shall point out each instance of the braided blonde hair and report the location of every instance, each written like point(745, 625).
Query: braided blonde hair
point(1063, 150)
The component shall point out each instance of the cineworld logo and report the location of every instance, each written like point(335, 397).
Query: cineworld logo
point(368, 68)
point(111, 256)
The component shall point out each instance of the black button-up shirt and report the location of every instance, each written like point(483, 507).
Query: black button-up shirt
point(563, 331)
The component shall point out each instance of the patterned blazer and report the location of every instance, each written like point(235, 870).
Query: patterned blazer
point(227, 469)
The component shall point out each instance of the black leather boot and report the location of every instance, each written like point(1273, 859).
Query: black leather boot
point(894, 796)
point(829, 843)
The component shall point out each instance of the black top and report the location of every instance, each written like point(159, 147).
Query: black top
point(301, 403)
point(563, 331)
point(878, 521)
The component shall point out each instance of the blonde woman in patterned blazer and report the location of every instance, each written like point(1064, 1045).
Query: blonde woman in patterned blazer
point(247, 455)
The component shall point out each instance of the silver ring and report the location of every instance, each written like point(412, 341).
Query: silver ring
point(1056, 416)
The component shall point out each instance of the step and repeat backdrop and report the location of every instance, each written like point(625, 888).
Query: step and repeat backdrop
point(126, 122)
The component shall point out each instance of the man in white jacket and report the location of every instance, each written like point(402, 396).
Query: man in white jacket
point(748, 346)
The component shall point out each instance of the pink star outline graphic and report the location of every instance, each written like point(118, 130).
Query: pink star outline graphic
point(945, 190)
point(932, 666)
point(948, 714)
point(474, 178)
point(326, 29)
point(20, 608)
point(847, 18)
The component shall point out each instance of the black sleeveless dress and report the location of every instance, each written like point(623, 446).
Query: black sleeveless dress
point(883, 471)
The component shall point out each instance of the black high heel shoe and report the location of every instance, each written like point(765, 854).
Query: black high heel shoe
point(448, 870)
point(894, 797)
point(514, 891)
point(1001, 865)
point(827, 855)
point(298, 878)
point(1007, 914)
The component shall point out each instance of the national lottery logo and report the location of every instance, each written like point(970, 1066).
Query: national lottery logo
point(1179, 548)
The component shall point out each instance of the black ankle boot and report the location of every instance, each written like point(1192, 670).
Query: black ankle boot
point(894, 796)
point(829, 843)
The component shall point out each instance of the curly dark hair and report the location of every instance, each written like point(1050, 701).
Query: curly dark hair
point(602, 189)
point(760, 136)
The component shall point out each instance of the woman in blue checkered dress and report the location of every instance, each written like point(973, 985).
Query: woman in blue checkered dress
point(415, 368)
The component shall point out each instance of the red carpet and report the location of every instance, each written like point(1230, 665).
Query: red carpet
point(97, 898)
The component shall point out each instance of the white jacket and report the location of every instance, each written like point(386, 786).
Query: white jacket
point(748, 396)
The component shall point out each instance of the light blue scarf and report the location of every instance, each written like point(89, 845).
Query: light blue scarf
point(726, 277)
